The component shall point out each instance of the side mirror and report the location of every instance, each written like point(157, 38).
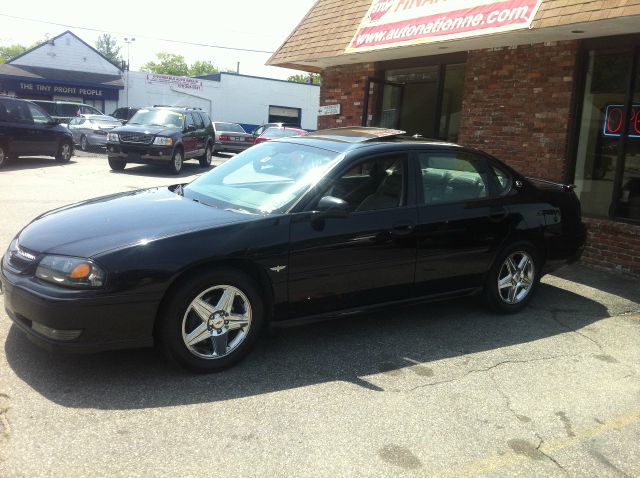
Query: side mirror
point(330, 206)
point(53, 121)
point(191, 127)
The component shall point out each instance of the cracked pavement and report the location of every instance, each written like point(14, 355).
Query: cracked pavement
point(447, 389)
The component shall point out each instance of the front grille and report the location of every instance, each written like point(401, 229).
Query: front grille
point(20, 258)
point(140, 138)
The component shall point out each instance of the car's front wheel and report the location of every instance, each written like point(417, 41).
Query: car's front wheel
point(514, 278)
point(175, 166)
point(65, 150)
point(212, 320)
point(117, 164)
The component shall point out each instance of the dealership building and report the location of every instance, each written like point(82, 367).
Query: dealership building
point(66, 68)
point(551, 87)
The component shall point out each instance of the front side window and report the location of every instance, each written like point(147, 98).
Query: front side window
point(265, 179)
point(373, 185)
point(453, 177)
point(189, 121)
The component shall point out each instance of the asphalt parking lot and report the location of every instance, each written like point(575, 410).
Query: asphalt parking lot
point(446, 389)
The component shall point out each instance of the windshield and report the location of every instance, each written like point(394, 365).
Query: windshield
point(166, 118)
point(264, 179)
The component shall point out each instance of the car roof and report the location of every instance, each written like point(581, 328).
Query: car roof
point(350, 138)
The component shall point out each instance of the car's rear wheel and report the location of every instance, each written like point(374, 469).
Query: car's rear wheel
point(3, 155)
point(212, 320)
point(514, 278)
point(65, 150)
point(175, 166)
point(205, 161)
point(84, 143)
point(117, 164)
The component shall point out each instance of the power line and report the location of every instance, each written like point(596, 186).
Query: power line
point(64, 25)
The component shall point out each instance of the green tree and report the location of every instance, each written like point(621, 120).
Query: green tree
point(167, 64)
point(304, 78)
point(11, 51)
point(202, 68)
point(108, 46)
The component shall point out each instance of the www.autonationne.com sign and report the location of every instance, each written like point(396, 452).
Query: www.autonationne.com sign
point(392, 23)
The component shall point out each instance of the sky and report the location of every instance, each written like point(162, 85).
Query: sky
point(251, 24)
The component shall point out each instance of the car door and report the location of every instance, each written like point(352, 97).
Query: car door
point(189, 138)
point(462, 220)
point(201, 133)
point(365, 258)
point(45, 132)
point(21, 133)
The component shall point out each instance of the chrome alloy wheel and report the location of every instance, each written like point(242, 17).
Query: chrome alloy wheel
point(65, 152)
point(177, 161)
point(516, 277)
point(216, 322)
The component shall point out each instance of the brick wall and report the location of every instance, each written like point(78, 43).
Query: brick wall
point(613, 246)
point(517, 104)
point(345, 85)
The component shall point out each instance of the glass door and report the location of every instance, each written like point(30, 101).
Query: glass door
point(383, 103)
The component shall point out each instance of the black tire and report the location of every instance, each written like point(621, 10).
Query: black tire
point(84, 143)
point(177, 160)
point(178, 319)
point(117, 164)
point(65, 151)
point(205, 161)
point(500, 298)
point(4, 155)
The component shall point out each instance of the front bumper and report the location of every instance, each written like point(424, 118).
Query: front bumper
point(104, 322)
point(141, 154)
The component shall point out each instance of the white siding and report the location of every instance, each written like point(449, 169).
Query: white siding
point(67, 53)
point(236, 98)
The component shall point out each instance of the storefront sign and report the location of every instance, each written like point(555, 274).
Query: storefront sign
point(614, 117)
point(392, 23)
point(32, 87)
point(329, 110)
point(181, 82)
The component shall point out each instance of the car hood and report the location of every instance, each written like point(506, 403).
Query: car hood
point(108, 223)
point(146, 129)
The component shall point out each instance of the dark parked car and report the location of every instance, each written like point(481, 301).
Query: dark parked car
point(124, 114)
point(231, 137)
point(329, 224)
point(26, 130)
point(63, 111)
point(162, 135)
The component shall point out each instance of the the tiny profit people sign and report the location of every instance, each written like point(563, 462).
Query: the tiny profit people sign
point(392, 23)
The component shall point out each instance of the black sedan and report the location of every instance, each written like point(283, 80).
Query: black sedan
point(330, 224)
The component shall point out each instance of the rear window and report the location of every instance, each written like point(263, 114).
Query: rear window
point(280, 133)
point(65, 109)
point(205, 118)
point(230, 127)
point(105, 121)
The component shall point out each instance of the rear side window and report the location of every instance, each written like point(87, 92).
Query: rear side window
point(66, 109)
point(502, 179)
point(453, 177)
point(205, 119)
point(198, 119)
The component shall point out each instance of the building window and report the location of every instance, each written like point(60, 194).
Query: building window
point(423, 99)
point(286, 115)
point(607, 173)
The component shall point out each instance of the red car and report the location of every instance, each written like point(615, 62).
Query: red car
point(278, 132)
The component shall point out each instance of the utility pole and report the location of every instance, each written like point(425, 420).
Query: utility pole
point(128, 41)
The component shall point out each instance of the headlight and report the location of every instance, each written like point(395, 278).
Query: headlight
point(113, 137)
point(70, 272)
point(163, 141)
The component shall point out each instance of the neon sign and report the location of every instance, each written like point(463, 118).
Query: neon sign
point(614, 118)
